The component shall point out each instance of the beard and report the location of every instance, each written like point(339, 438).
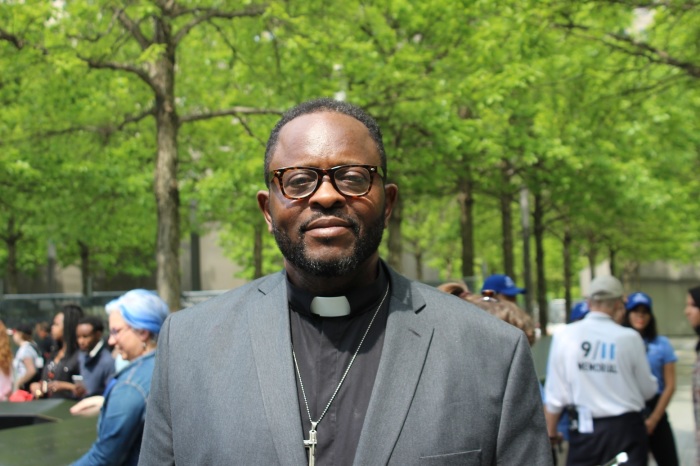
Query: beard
point(365, 245)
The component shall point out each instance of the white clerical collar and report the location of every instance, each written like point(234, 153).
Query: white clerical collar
point(330, 306)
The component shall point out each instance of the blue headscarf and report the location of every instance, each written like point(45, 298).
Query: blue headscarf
point(141, 310)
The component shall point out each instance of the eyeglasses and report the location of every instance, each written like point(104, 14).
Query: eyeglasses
point(114, 332)
point(348, 180)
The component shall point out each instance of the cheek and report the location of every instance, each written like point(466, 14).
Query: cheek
point(694, 317)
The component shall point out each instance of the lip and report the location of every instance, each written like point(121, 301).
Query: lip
point(327, 227)
point(327, 222)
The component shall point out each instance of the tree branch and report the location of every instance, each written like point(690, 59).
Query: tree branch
point(105, 130)
point(653, 4)
point(133, 28)
point(657, 55)
point(207, 14)
point(141, 73)
point(250, 131)
point(233, 111)
point(636, 48)
point(13, 39)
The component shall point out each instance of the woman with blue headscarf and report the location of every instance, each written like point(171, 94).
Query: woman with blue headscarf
point(134, 324)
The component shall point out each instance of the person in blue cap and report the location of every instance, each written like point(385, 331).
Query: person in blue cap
point(502, 287)
point(662, 359)
point(578, 311)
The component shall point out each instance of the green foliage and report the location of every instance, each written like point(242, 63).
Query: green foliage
point(568, 99)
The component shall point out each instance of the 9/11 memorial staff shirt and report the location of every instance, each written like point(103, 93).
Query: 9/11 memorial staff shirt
point(600, 365)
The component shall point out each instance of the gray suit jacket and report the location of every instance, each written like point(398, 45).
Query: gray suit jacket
point(454, 385)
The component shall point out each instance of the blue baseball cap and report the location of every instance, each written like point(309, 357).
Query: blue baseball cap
point(638, 299)
point(502, 284)
point(579, 311)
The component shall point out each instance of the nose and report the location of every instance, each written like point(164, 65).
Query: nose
point(326, 195)
point(111, 341)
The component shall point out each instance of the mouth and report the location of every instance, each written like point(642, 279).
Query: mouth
point(328, 227)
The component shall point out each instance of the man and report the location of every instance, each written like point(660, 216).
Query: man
point(338, 359)
point(502, 287)
point(600, 368)
point(96, 362)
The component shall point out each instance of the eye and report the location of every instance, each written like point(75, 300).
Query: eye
point(299, 178)
point(352, 176)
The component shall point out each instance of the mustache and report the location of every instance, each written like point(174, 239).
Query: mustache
point(354, 225)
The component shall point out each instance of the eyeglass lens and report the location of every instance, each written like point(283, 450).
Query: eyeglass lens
point(348, 180)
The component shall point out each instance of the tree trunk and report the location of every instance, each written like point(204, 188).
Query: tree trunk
point(394, 239)
point(566, 252)
point(195, 262)
point(195, 250)
point(539, 227)
point(507, 225)
point(525, 221)
point(258, 250)
point(418, 256)
point(11, 270)
point(465, 197)
point(613, 262)
point(166, 177)
point(592, 253)
point(85, 268)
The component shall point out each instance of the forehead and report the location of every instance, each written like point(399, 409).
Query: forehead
point(116, 319)
point(84, 329)
point(324, 139)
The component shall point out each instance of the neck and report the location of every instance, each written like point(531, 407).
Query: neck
point(365, 274)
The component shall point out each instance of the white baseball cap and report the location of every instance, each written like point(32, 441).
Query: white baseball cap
point(605, 287)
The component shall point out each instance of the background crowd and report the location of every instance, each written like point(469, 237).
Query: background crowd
point(615, 396)
point(110, 373)
point(109, 376)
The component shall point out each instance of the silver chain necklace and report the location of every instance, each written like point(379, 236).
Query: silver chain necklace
point(311, 442)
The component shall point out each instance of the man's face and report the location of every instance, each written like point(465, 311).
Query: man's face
point(327, 233)
point(87, 337)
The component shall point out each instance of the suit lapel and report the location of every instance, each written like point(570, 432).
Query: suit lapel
point(271, 343)
point(406, 342)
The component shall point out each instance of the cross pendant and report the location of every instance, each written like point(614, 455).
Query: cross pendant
point(311, 443)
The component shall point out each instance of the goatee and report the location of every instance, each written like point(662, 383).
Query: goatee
point(365, 245)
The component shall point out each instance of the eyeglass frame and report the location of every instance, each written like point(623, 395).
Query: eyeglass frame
point(321, 173)
point(115, 332)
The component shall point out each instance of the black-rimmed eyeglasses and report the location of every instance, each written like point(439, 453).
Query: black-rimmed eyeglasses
point(348, 180)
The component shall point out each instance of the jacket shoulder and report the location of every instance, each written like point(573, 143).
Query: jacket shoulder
point(451, 312)
point(229, 302)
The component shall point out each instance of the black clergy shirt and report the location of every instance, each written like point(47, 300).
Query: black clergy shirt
point(324, 347)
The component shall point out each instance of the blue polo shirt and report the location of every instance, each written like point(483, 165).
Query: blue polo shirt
point(659, 353)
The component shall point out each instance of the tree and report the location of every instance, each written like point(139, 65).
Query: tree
point(142, 40)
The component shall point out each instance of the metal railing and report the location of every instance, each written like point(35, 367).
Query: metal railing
point(16, 308)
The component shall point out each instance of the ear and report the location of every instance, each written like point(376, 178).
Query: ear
point(264, 205)
point(144, 335)
point(391, 196)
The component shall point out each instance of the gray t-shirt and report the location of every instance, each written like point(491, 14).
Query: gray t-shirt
point(26, 350)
